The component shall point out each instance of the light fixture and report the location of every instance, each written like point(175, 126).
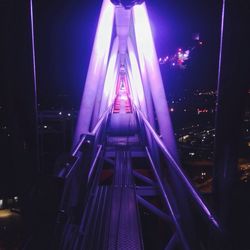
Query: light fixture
point(127, 4)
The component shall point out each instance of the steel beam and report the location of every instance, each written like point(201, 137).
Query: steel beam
point(143, 178)
point(180, 173)
point(172, 242)
point(147, 191)
point(172, 210)
point(155, 210)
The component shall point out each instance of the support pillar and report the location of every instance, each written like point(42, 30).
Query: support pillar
point(145, 42)
point(233, 81)
point(97, 68)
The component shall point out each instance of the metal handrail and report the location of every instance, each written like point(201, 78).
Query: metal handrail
point(93, 132)
point(167, 201)
point(178, 170)
point(91, 170)
point(66, 171)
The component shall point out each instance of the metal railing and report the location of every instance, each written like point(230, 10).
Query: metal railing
point(78, 175)
point(178, 170)
point(174, 167)
point(73, 158)
point(93, 132)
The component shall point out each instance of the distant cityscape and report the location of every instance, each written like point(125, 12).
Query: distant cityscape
point(193, 117)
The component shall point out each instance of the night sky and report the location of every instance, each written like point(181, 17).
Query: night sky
point(65, 33)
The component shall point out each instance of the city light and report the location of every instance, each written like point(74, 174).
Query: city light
point(202, 110)
point(179, 58)
point(5, 213)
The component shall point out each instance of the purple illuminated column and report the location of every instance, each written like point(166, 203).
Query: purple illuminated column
point(111, 77)
point(133, 94)
point(136, 81)
point(147, 95)
point(112, 92)
point(145, 83)
point(97, 68)
point(145, 46)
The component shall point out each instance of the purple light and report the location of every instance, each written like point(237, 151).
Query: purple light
point(135, 79)
point(143, 31)
point(97, 69)
point(104, 29)
point(136, 76)
point(146, 48)
point(109, 84)
point(133, 93)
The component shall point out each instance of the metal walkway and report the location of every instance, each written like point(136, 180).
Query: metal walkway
point(124, 221)
point(110, 218)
